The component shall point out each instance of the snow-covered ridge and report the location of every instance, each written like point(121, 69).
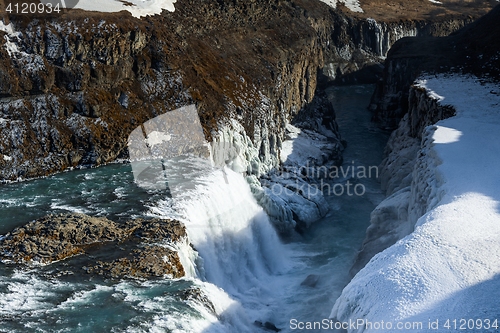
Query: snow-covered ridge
point(353, 5)
point(449, 267)
point(138, 8)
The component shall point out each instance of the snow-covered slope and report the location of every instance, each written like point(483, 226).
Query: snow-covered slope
point(351, 4)
point(138, 8)
point(449, 267)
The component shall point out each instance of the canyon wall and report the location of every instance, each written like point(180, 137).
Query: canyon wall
point(359, 46)
point(397, 99)
point(450, 208)
point(73, 87)
point(406, 177)
point(471, 49)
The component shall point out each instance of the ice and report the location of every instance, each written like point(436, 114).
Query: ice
point(449, 267)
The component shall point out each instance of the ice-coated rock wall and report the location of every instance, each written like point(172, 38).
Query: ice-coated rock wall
point(359, 46)
point(406, 175)
point(280, 185)
point(413, 184)
point(448, 266)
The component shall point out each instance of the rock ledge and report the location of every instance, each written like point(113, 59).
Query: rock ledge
point(138, 248)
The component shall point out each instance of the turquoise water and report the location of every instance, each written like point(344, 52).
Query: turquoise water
point(40, 300)
point(329, 247)
point(106, 191)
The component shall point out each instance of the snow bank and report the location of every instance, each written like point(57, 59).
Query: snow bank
point(138, 8)
point(11, 34)
point(449, 267)
point(353, 5)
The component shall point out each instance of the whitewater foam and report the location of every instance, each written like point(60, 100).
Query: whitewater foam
point(242, 256)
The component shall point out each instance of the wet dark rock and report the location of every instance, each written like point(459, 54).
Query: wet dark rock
point(310, 281)
point(139, 248)
point(144, 262)
point(194, 294)
point(267, 325)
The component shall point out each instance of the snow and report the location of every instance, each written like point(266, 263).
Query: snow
point(436, 2)
point(137, 8)
point(11, 34)
point(446, 135)
point(302, 146)
point(449, 267)
point(353, 5)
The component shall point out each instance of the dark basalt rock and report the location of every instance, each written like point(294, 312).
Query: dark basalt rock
point(139, 248)
point(194, 294)
point(474, 49)
point(267, 325)
point(311, 280)
point(85, 80)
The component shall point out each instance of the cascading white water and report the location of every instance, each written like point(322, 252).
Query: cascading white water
point(239, 249)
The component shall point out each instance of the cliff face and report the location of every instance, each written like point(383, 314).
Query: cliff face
point(73, 87)
point(405, 163)
point(406, 177)
point(472, 49)
point(361, 45)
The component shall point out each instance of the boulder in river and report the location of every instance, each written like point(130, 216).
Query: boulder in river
point(139, 248)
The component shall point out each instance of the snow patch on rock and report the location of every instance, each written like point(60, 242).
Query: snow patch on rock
point(11, 35)
point(353, 5)
point(137, 8)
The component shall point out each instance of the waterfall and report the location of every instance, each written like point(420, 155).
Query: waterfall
point(239, 250)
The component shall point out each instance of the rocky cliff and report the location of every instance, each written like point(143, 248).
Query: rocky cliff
point(73, 86)
point(474, 49)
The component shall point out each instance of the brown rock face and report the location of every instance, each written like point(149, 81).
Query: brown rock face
point(79, 83)
point(133, 249)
